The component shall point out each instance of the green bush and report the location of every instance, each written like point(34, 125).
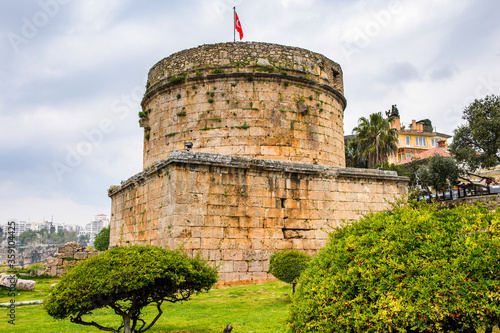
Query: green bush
point(288, 265)
point(413, 269)
point(101, 242)
point(127, 279)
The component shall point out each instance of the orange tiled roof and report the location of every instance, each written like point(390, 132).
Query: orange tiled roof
point(426, 154)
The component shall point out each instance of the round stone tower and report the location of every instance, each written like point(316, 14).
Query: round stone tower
point(257, 100)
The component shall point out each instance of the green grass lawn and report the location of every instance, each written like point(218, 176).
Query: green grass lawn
point(42, 289)
point(252, 308)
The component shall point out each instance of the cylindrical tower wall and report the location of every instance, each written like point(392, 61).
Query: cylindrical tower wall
point(256, 100)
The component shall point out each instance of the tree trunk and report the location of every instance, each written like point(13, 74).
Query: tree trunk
point(293, 288)
point(126, 324)
point(488, 330)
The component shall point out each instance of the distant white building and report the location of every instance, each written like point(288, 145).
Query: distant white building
point(93, 228)
point(98, 223)
point(20, 227)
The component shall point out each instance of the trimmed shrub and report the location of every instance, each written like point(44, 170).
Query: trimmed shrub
point(288, 265)
point(127, 279)
point(414, 269)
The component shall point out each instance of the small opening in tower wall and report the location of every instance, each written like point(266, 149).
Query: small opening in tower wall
point(283, 200)
point(335, 72)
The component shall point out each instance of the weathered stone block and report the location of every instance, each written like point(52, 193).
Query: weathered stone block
point(255, 266)
point(240, 266)
point(25, 284)
point(81, 255)
point(232, 254)
point(225, 266)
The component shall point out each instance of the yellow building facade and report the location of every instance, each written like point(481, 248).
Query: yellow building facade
point(415, 139)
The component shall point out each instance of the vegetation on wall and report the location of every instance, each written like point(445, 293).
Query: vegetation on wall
point(177, 79)
point(427, 125)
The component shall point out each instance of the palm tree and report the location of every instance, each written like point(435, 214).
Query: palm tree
point(376, 139)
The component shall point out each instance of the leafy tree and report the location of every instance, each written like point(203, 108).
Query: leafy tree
point(44, 235)
point(101, 242)
point(440, 173)
point(353, 157)
point(288, 265)
point(407, 170)
point(70, 236)
point(476, 144)
point(57, 237)
point(84, 239)
point(416, 268)
point(27, 237)
point(376, 139)
point(127, 279)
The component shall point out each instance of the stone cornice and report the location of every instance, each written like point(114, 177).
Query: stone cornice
point(228, 161)
point(164, 84)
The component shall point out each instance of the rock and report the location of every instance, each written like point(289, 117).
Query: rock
point(285, 294)
point(81, 255)
point(52, 261)
point(263, 62)
point(40, 272)
point(7, 305)
point(302, 107)
point(52, 285)
point(228, 329)
point(8, 280)
point(24, 275)
point(25, 284)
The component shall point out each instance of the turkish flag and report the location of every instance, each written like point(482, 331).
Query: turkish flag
point(237, 25)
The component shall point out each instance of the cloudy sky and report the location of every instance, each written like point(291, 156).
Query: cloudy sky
point(72, 74)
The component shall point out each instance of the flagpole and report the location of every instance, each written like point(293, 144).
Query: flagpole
point(234, 25)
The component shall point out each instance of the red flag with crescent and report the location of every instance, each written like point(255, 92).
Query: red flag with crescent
point(237, 25)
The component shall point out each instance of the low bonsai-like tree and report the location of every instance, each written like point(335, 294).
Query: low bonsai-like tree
point(127, 279)
point(287, 265)
point(101, 242)
point(416, 268)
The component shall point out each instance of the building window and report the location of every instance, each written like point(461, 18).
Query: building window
point(421, 141)
point(409, 155)
point(408, 142)
point(435, 142)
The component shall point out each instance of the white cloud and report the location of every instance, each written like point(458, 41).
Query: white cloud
point(306, 3)
point(97, 15)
